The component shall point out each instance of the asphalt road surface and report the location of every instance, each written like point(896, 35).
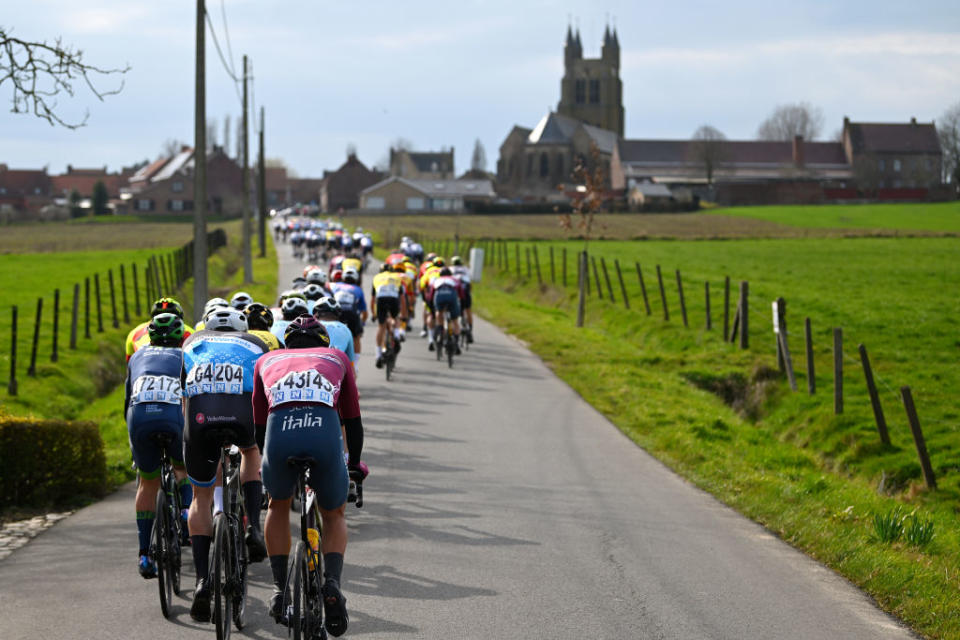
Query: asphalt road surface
point(500, 505)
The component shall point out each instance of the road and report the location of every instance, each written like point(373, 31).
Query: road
point(501, 505)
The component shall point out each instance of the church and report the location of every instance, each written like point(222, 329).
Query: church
point(535, 163)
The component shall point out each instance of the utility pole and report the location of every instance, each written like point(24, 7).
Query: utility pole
point(200, 173)
point(261, 164)
point(247, 259)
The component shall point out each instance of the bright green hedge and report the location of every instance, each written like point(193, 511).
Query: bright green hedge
point(49, 462)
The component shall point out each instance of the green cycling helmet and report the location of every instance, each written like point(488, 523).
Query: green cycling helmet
point(165, 330)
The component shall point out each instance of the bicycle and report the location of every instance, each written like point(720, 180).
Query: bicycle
point(389, 352)
point(305, 613)
point(444, 340)
point(229, 551)
point(167, 527)
point(466, 331)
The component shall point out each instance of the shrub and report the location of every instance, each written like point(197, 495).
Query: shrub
point(49, 462)
point(889, 527)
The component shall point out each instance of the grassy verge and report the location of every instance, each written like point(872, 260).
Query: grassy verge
point(939, 216)
point(725, 419)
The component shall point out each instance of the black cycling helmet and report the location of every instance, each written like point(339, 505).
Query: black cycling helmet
point(327, 305)
point(165, 330)
point(306, 332)
point(259, 318)
point(446, 271)
point(167, 305)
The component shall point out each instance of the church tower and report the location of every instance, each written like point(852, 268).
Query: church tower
point(591, 90)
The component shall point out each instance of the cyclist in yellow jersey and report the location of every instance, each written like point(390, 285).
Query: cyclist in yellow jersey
point(389, 301)
point(259, 321)
point(428, 276)
point(139, 337)
point(409, 272)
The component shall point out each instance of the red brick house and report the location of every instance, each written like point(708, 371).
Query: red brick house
point(341, 189)
point(23, 192)
point(894, 161)
point(166, 186)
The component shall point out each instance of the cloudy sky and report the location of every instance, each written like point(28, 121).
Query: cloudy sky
point(442, 74)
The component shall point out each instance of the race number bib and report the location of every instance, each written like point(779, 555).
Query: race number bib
point(301, 386)
point(388, 290)
point(156, 389)
point(221, 377)
point(345, 298)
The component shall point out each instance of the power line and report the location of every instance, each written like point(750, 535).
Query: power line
point(226, 67)
point(226, 33)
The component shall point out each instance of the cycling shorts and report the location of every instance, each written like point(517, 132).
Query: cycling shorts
point(214, 411)
point(306, 431)
point(353, 322)
point(386, 306)
point(467, 297)
point(447, 299)
point(145, 419)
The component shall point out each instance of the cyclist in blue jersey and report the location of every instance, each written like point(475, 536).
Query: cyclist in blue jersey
point(151, 404)
point(292, 308)
point(217, 380)
point(353, 305)
point(327, 311)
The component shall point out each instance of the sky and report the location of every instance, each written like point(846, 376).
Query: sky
point(441, 74)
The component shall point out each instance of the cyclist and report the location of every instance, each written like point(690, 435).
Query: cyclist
point(212, 303)
point(301, 395)
point(217, 378)
point(259, 321)
point(151, 403)
point(353, 306)
point(138, 336)
point(355, 263)
point(462, 273)
point(429, 270)
point(327, 311)
point(317, 276)
point(446, 294)
point(314, 292)
point(292, 308)
point(387, 296)
point(240, 300)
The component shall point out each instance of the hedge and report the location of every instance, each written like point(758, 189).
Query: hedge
point(50, 462)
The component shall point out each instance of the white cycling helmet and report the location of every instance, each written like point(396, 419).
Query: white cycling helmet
point(226, 320)
point(317, 276)
point(240, 299)
point(292, 308)
point(350, 276)
point(214, 302)
point(212, 310)
point(313, 291)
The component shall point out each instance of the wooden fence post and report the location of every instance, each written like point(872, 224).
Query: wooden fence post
point(811, 378)
point(529, 269)
point(706, 299)
point(918, 440)
point(12, 384)
point(726, 308)
point(596, 276)
point(162, 276)
point(606, 277)
point(623, 287)
point(837, 370)
point(113, 299)
point(779, 308)
point(123, 294)
point(583, 279)
point(783, 347)
point(536, 262)
point(663, 295)
point(744, 313)
point(32, 370)
point(56, 324)
point(516, 255)
point(86, 307)
point(136, 290)
point(874, 396)
point(73, 316)
point(683, 303)
point(643, 289)
point(96, 288)
point(563, 253)
point(553, 269)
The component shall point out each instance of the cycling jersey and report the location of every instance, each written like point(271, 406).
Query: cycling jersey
point(352, 263)
point(152, 404)
point(388, 284)
point(220, 362)
point(350, 297)
point(340, 337)
point(268, 338)
point(139, 337)
point(278, 328)
point(429, 274)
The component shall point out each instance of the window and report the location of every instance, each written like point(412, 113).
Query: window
point(3, 191)
point(544, 165)
point(37, 191)
point(896, 164)
point(882, 164)
point(414, 204)
point(580, 91)
point(560, 175)
point(376, 202)
point(594, 91)
point(144, 204)
point(176, 205)
point(177, 186)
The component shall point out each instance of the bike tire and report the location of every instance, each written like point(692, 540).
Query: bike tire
point(241, 564)
point(222, 602)
point(162, 553)
point(451, 348)
point(301, 601)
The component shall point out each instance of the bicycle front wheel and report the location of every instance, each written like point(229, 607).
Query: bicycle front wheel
point(163, 552)
point(221, 570)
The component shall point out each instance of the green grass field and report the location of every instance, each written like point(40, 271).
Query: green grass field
point(935, 217)
point(780, 457)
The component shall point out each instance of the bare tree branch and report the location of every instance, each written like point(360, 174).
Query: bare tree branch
point(789, 120)
point(39, 72)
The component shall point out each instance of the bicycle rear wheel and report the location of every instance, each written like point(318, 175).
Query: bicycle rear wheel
point(241, 562)
point(221, 570)
point(301, 598)
point(162, 553)
point(451, 347)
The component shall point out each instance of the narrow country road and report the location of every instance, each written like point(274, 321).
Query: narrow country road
point(500, 505)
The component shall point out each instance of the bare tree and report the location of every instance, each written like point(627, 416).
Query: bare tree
point(790, 120)
point(226, 134)
point(949, 131)
point(40, 72)
point(351, 150)
point(171, 147)
point(479, 160)
point(707, 150)
point(211, 134)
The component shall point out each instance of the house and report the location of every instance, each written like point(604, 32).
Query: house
point(23, 192)
point(167, 186)
point(415, 165)
point(83, 180)
point(395, 194)
point(340, 189)
point(894, 161)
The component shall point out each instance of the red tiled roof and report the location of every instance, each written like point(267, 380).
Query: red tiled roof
point(66, 183)
point(25, 182)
